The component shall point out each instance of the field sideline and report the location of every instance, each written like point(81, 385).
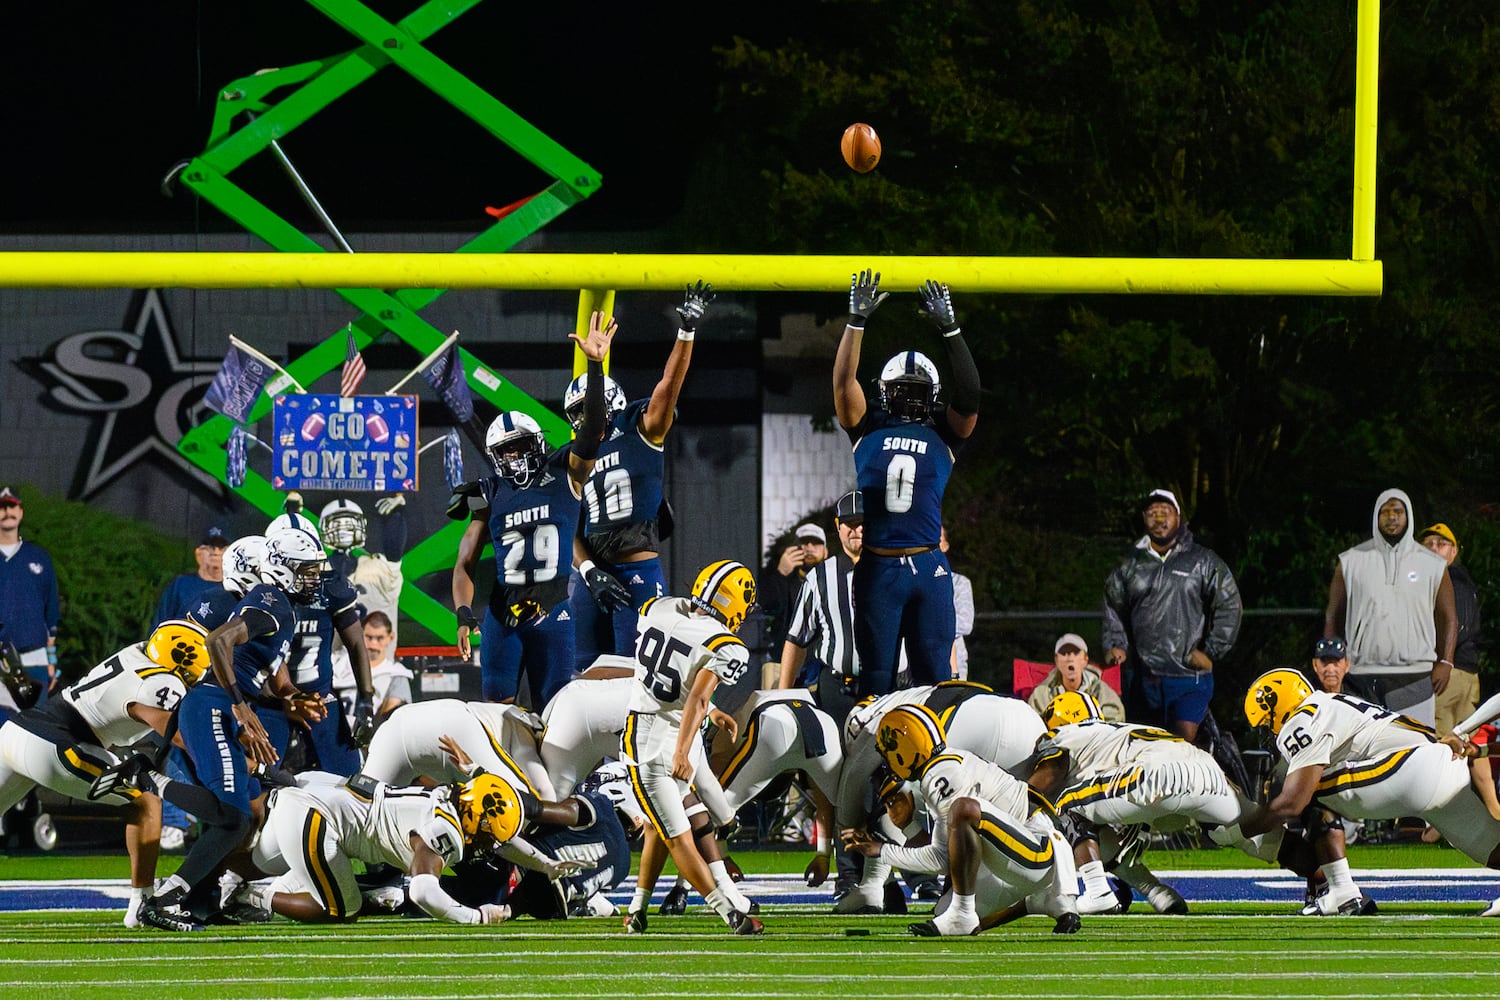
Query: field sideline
point(1224, 951)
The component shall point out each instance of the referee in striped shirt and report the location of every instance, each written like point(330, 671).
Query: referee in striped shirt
point(819, 649)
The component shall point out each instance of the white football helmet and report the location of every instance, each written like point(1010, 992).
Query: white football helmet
point(342, 525)
point(242, 563)
point(294, 562)
point(299, 521)
point(909, 386)
point(516, 447)
point(614, 399)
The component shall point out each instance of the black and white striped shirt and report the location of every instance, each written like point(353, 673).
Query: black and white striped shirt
point(822, 619)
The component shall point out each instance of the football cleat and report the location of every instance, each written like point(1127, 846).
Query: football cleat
point(945, 926)
point(173, 838)
point(635, 922)
point(929, 889)
point(592, 906)
point(1100, 903)
point(167, 912)
point(1165, 899)
point(1351, 906)
point(743, 924)
point(1493, 910)
point(675, 903)
point(1068, 923)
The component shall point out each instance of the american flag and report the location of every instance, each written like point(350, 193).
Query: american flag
point(354, 369)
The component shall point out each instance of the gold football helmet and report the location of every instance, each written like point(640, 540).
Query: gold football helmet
point(489, 803)
point(908, 738)
point(1273, 696)
point(726, 590)
point(180, 645)
point(1070, 707)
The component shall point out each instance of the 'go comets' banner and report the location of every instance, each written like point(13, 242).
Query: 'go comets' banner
point(345, 443)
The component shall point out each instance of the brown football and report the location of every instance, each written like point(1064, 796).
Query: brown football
point(861, 147)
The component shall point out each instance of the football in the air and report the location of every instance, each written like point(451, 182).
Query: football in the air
point(861, 147)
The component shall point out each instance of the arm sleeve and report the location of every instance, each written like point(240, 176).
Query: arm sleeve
point(427, 892)
point(393, 530)
point(965, 376)
point(932, 859)
point(586, 444)
point(963, 604)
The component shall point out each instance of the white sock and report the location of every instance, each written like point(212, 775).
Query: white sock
point(726, 884)
point(639, 901)
point(139, 892)
point(720, 903)
point(1340, 882)
point(959, 915)
point(1095, 882)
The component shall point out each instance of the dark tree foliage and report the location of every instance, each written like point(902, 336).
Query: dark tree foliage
point(1153, 129)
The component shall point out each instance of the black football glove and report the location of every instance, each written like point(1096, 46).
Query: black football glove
point(937, 304)
point(694, 305)
point(363, 723)
point(865, 296)
point(608, 592)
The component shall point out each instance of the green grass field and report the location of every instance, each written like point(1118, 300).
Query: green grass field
point(1225, 951)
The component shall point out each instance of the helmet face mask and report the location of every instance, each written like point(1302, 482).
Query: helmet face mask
point(614, 399)
point(909, 387)
point(294, 562)
point(180, 645)
point(242, 563)
point(726, 591)
point(516, 448)
point(488, 804)
point(1070, 707)
point(342, 525)
point(908, 738)
point(1273, 696)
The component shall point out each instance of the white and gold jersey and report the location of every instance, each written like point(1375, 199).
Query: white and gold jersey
point(378, 581)
point(103, 696)
point(1095, 745)
point(956, 774)
point(374, 821)
point(1330, 729)
point(673, 644)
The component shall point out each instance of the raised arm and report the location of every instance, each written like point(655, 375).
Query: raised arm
point(585, 447)
point(865, 297)
point(662, 408)
point(963, 408)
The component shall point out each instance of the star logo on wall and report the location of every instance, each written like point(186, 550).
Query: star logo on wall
point(141, 392)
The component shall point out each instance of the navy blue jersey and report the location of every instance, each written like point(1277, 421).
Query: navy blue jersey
point(533, 533)
point(212, 608)
point(256, 661)
point(902, 469)
point(182, 594)
point(311, 660)
point(625, 488)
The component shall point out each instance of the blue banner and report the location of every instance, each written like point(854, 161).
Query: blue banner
point(345, 443)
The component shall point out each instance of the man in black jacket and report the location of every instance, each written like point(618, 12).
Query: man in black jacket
point(1171, 611)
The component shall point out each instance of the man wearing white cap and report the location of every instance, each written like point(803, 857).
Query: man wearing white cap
point(1071, 672)
point(1171, 611)
point(779, 582)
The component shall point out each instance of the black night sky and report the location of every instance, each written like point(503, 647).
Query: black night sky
point(102, 99)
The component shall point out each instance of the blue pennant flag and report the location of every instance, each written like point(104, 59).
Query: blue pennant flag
point(236, 458)
point(446, 375)
point(241, 377)
point(453, 460)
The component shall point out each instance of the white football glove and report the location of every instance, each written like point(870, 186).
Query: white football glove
point(492, 913)
point(387, 506)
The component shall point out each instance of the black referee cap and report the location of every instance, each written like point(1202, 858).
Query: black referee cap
point(851, 508)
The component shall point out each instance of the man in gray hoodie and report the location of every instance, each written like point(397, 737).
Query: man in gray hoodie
point(1392, 599)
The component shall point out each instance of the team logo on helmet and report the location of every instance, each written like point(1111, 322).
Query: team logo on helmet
point(488, 803)
point(1273, 696)
point(908, 738)
point(294, 562)
point(1070, 707)
point(180, 645)
point(909, 386)
point(516, 447)
point(726, 590)
point(614, 399)
point(242, 563)
point(342, 525)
